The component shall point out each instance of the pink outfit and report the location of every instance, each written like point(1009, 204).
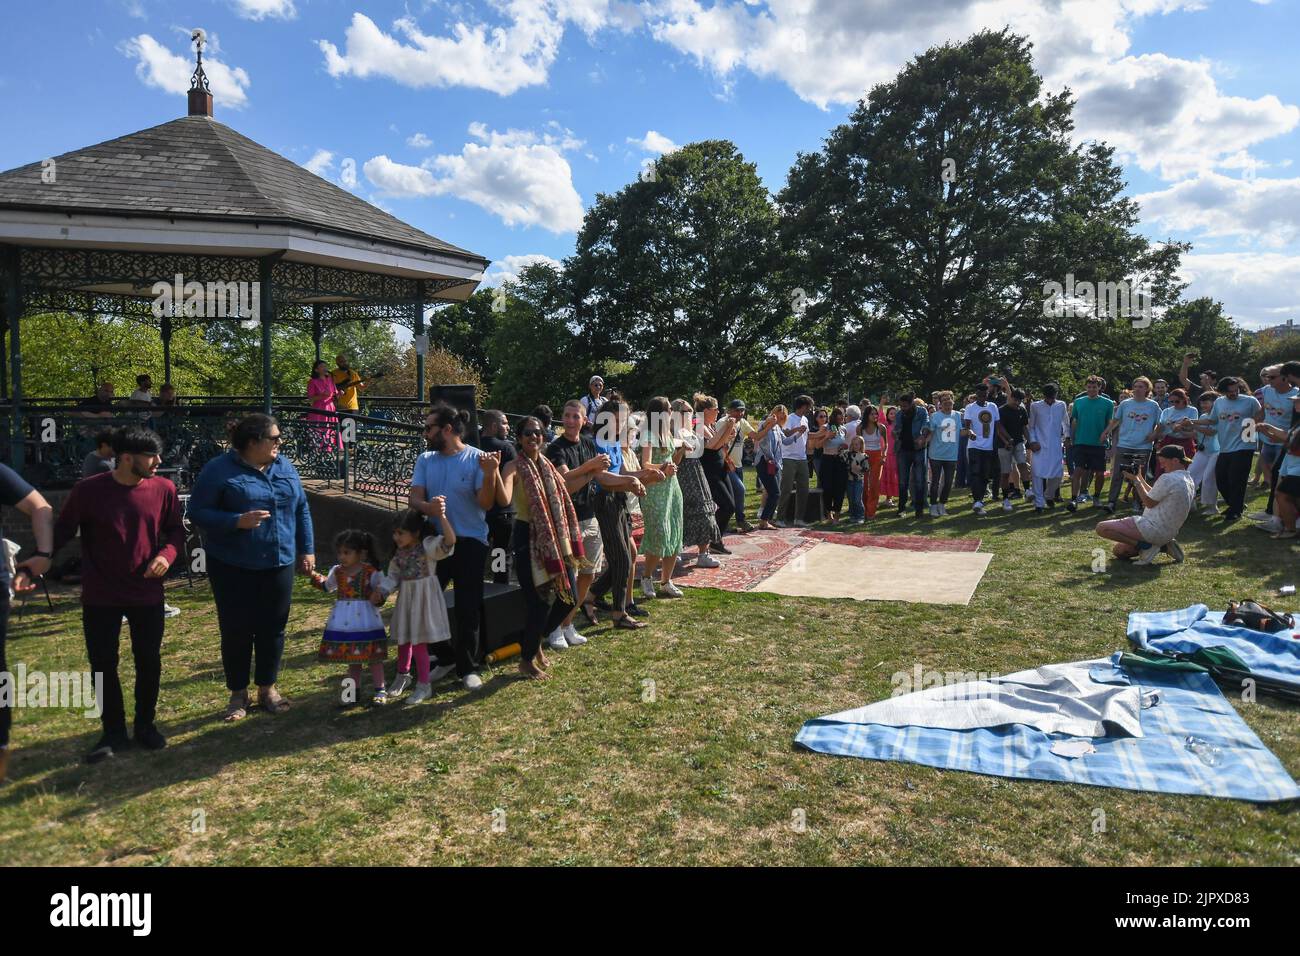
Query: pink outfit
point(321, 392)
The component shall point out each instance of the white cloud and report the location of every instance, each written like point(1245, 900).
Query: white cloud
point(419, 141)
point(320, 163)
point(1170, 117)
point(262, 9)
point(159, 67)
point(1257, 289)
point(508, 268)
point(1261, 211)
point(654, 142)
point(517, 175)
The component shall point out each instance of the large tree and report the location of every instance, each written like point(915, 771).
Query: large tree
point(682, 272)
point(926, 228)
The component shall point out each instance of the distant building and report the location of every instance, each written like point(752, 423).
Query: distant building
point(1280, 331)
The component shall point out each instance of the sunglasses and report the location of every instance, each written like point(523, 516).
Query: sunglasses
point(530, 433)
point(273, 439)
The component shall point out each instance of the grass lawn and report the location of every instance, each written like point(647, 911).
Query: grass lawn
point(589, 772)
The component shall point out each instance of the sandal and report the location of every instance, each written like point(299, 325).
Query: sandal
point(589, 612)
point(237, 709)
point(271, 701)
point(627, 623)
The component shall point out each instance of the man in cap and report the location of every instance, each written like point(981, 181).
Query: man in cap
point(735, 461)
point(1165, 508)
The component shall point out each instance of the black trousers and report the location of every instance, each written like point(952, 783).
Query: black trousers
point(464, 569)
point(724, 498)
point(103, 630)
point(6, 711)
point(1232, 475)
point(252, 611)
point(540, 616)
point(499, 528)
point(941, 473)
point(981, 467)
point(616, 537)
point(834, 482)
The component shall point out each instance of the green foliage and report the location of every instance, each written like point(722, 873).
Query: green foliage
point(66, 356)
point(683, 273)
point(924, 231)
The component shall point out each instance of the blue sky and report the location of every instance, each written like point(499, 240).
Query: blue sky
point(494, 125)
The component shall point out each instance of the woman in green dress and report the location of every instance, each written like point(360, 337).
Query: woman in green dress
point(661, 508)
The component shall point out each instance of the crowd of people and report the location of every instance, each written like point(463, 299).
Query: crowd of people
point(557, 501)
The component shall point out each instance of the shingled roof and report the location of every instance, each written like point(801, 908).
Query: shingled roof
point(197, 168)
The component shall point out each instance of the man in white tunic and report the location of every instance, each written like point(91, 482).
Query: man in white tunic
point(1047, 430)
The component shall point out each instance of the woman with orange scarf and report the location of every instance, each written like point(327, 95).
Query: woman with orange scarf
point(547, 543)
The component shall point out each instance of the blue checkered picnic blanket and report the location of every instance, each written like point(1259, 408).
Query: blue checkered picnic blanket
point(1185, 631)
point(1190, 704)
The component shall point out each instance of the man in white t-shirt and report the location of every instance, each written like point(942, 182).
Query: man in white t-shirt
point(1166, 505)
point(794, 462)
point(984, 432)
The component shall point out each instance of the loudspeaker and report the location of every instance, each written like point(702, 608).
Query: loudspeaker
point(459, 396)
point(501, 618)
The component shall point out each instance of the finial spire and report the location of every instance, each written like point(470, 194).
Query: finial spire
point(200, 94)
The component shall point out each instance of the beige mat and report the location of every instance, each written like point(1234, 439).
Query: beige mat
point(880, 574)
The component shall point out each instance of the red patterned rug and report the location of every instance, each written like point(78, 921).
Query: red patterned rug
point(899, 542)
point(754, 558)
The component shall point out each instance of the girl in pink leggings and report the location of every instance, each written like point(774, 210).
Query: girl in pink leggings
point(420, 617)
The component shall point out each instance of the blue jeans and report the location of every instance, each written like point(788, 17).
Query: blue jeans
point(737, 479)
point(856, 511)
point(770, 485)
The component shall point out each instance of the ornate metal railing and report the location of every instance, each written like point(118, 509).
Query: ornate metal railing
point(360, 453)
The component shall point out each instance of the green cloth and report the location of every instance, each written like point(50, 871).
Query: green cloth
point(1210, 659)
point(1091, 416)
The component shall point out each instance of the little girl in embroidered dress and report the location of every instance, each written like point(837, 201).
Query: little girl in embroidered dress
point(355, 632)
point(420, 618)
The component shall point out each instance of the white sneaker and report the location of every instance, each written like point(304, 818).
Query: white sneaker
point(706, 561)
point(1272, 525)
point(441, 672)
point(978, 508)
point(1260, 516)
point(671, 590)
point(1006, 505)
point(1175, 551)
point(472, 681)
point(572, 637)
point(421, 693)
point(648, 588)
point(934, 511)
point(801, 524)
point(399, 686)
point(556, 642)
point(1149, 555)
point(169, 611)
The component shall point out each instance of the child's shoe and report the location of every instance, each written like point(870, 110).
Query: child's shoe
point(381, 697)
point(401, 683)
point(421, 693)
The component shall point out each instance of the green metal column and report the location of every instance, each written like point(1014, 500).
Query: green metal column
point(268, 313)
point(14, 308)
point(167, 348)
point(419, 330)
point(315, 327)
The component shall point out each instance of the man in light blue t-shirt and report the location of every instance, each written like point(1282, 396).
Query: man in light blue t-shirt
point(1234, 416)
point(1279, 398)
point(1134, 420)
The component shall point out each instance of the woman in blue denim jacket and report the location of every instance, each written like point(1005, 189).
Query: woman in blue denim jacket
point(251, 509)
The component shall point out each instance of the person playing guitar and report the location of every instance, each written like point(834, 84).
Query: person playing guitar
point(348, 383)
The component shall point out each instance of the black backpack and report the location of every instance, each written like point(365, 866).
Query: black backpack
point(1257, 617)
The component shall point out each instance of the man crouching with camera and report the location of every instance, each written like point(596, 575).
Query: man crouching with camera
point(1165, 504)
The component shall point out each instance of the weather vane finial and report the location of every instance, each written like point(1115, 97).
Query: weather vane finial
point(199, 81)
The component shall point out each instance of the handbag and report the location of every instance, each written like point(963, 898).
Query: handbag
point(1255, 616)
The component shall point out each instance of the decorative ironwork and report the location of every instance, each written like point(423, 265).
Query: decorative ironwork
point(199, 79)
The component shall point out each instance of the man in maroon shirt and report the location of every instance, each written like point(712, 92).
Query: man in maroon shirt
point(131, 533)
